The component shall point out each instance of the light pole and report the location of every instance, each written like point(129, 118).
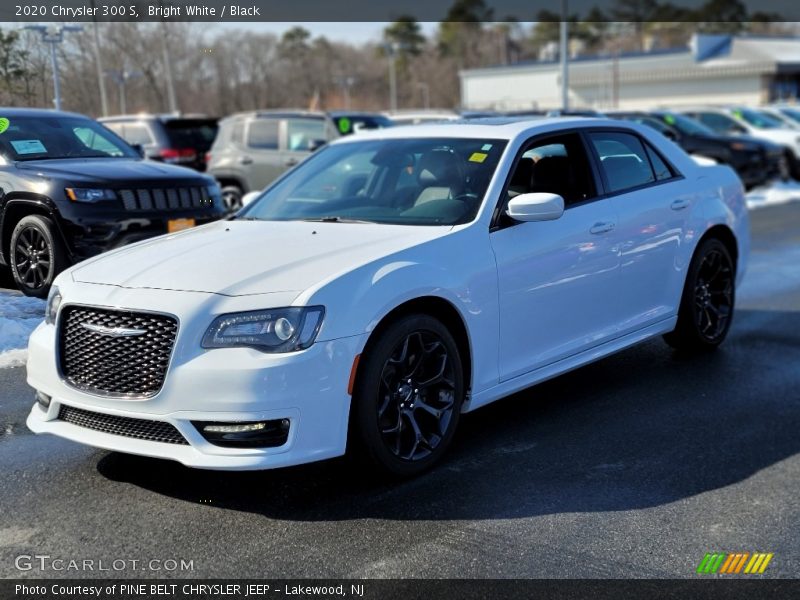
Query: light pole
point(171, 99)
point(99, 65)
point(426, 94)
point(121, 78)
point(563, 43)
point(391, 51)
point(346, 82)
point(53, 36)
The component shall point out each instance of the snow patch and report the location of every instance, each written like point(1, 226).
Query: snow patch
point(19, 316)
point(779, 192)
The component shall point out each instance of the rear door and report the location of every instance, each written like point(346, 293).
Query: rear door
point(652, 203)
point(262, 160)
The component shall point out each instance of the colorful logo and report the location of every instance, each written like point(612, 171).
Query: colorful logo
point(3, 124)
point(734, 564)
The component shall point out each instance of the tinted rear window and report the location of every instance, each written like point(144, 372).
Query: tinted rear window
point(191, 133)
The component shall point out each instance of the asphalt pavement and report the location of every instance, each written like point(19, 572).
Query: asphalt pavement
point(635, 466)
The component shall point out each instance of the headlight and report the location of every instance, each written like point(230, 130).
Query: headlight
point(90, 194)
point(274, 330)
point(215, 193)
point(53, 302)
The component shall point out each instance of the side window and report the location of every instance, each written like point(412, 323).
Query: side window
point(237, 133)
point(301, 132)
point(136, 133)
point(719, 123)
point(662, 169)
point(116, 128)
point(623, 160)
point(263, 134)
point(557, 165)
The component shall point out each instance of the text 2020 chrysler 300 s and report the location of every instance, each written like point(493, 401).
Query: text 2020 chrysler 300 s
point(386, 285)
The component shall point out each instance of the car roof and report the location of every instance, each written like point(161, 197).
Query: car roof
point(278, 113)
point(158, 117)
point(10, 111)
point(505, 128)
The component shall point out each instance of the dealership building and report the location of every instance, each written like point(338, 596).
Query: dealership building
point(713, 69)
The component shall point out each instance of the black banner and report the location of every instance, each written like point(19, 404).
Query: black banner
point(370, 10)
point(386, 589)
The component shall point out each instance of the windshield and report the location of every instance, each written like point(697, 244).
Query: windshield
point(792, 113)
point(423, 181)
point(756, 118)
point(686, 125)
point(197, 134)
point(37, 138)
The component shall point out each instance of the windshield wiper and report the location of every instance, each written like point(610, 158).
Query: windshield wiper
point(336, 220)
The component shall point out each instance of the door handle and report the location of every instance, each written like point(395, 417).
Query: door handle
point(679, 204)
point(290, 162)
point(245, 160)
point(599, 228)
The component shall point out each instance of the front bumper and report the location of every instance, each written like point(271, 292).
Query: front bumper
point(309, 388)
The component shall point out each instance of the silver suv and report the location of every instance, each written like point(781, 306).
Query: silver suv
point(253, 149)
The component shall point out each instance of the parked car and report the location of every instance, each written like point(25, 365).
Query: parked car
point(416, 117)
point(349, 122)
point(785, 117)
point(750, 122)
point(72, 189)
point(791, 111)
point(175, 139)
point(574, 112)
point(253, 149)
point(389, 283)
point(756, 161)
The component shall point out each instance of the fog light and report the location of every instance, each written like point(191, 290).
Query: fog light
point(43, 399)
point(258, 434)
point(239, 428)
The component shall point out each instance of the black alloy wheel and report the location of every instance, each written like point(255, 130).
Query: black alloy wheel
point(37, 255)
point(707, 305)
point(408, 395)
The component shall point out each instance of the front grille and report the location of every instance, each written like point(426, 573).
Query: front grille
point(111, 363)
point(173, 198)
point(141, 429)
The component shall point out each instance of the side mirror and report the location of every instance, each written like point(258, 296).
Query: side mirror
point(314, 145)
point(139, 150)
point(249, 197)
point(540, 206)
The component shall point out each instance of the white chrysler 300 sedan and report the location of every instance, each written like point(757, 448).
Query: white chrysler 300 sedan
point(387, 284)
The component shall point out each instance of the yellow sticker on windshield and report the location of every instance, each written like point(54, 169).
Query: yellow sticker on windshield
point(3, 124)
point(478, 157)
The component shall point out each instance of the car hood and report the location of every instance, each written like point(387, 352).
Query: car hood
point(110, 170)
point(238, 258)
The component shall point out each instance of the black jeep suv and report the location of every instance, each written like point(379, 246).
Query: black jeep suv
point(70, 189)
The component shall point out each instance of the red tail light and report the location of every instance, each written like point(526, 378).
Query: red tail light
point(178, 154)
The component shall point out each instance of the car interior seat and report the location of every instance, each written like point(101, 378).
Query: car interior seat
point(440, 176)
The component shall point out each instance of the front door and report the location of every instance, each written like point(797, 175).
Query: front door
point(558, 280)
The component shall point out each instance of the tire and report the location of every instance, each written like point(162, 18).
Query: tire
point(707, 304)
point(37, 255)
point(429, 406)
point(232, 197)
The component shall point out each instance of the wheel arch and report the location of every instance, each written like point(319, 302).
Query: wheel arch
point(19, 206)
point(440, 309)
point(725, 235)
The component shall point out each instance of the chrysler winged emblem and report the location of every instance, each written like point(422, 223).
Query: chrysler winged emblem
point(113, 331)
